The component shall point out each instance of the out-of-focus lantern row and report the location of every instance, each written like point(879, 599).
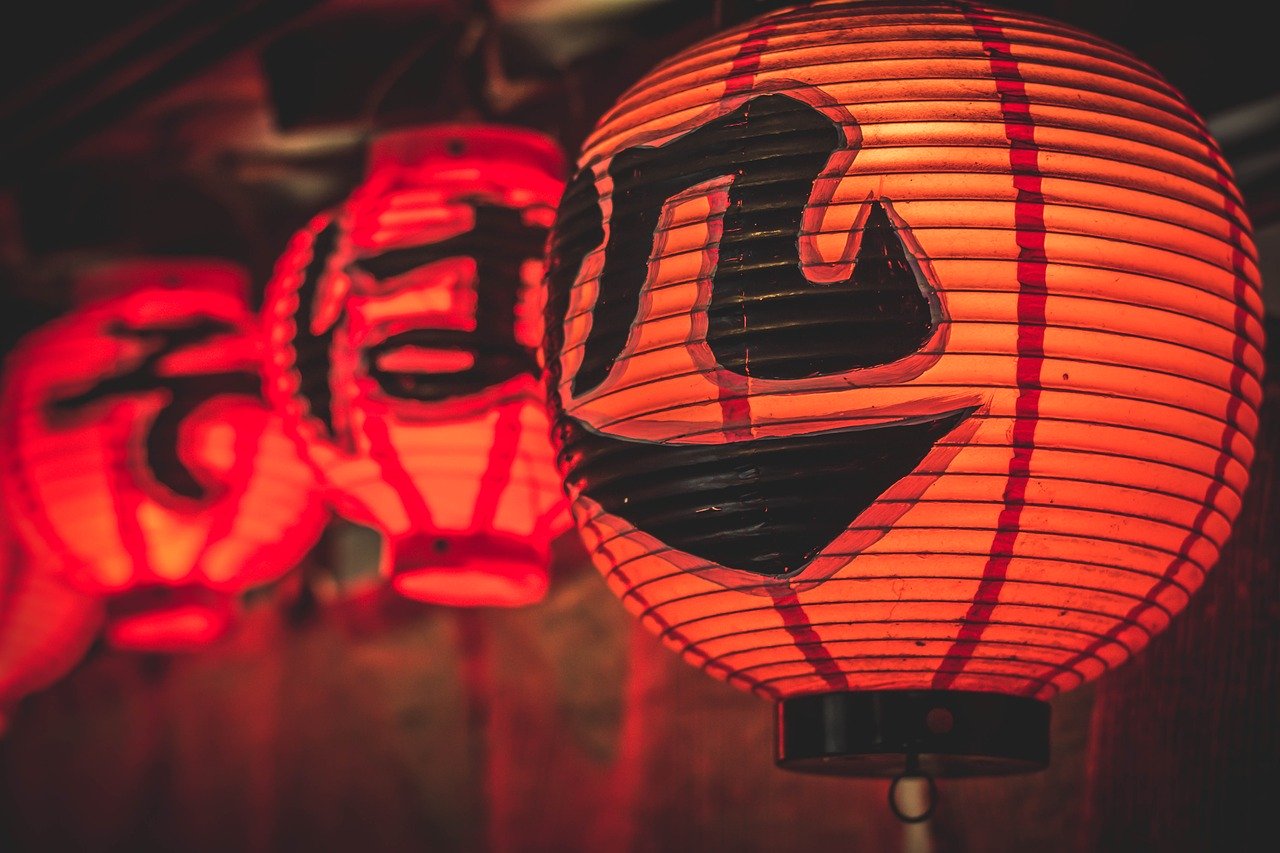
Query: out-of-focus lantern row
point(904, 360)
point(907, 360)
point(147, 476)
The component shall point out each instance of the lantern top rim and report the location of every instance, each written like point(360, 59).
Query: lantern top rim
point(447, 145)
point(117, 277)
point(799, 17)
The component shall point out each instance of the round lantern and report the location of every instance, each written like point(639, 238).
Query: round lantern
point(907, 364)
point(404, 329)
point(46, 626)
point(138, 451)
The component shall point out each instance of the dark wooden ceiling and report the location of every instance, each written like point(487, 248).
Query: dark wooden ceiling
point(220, 125)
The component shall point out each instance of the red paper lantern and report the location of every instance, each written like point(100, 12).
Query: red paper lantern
point(404, 329)
point(908, 359)
point(46, 626)
point(140, 454)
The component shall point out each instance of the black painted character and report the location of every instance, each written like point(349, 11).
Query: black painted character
point(183, 393)
point(767, 502)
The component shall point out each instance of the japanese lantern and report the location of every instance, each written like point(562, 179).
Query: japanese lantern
point(907, 361)
point(139, 453)
point(46, 626)
point(404, 328)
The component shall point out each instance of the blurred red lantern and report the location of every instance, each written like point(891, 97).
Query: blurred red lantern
point(404, 328)
point(908, 359)
point(46, 626)
point(140, 454)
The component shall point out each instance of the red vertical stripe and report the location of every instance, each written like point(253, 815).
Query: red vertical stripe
point(797, 623)
point(497, 473)
point(1230, 431)
point(742, 76)
point(1024, 155)
point(735, 403)
point(394, 474)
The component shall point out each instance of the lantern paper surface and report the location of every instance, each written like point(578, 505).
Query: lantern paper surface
point(46, 626)
point(140, 454)
point(404, 329)
point(904, 347)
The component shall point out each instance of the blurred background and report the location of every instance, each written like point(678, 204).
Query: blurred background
point(339, 718)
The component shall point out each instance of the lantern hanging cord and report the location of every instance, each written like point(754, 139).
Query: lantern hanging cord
point(475, 37)
point(912, 771)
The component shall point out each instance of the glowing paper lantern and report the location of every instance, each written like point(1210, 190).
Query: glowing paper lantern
point(46, 626)
point(138, 451)
point(908, 362)
point(404, 328)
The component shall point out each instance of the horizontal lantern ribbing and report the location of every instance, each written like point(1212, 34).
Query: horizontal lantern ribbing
point(1094, 325)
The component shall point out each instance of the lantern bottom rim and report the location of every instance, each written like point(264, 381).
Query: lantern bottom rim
point(889, 733)
point(469, 569)
point(167, 620)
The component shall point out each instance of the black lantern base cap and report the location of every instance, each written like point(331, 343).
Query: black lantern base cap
point(889, 733)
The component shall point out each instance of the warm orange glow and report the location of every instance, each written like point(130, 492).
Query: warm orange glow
point(139, 452)
point(45, 626)
point(403, 360)
point(903, 348)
